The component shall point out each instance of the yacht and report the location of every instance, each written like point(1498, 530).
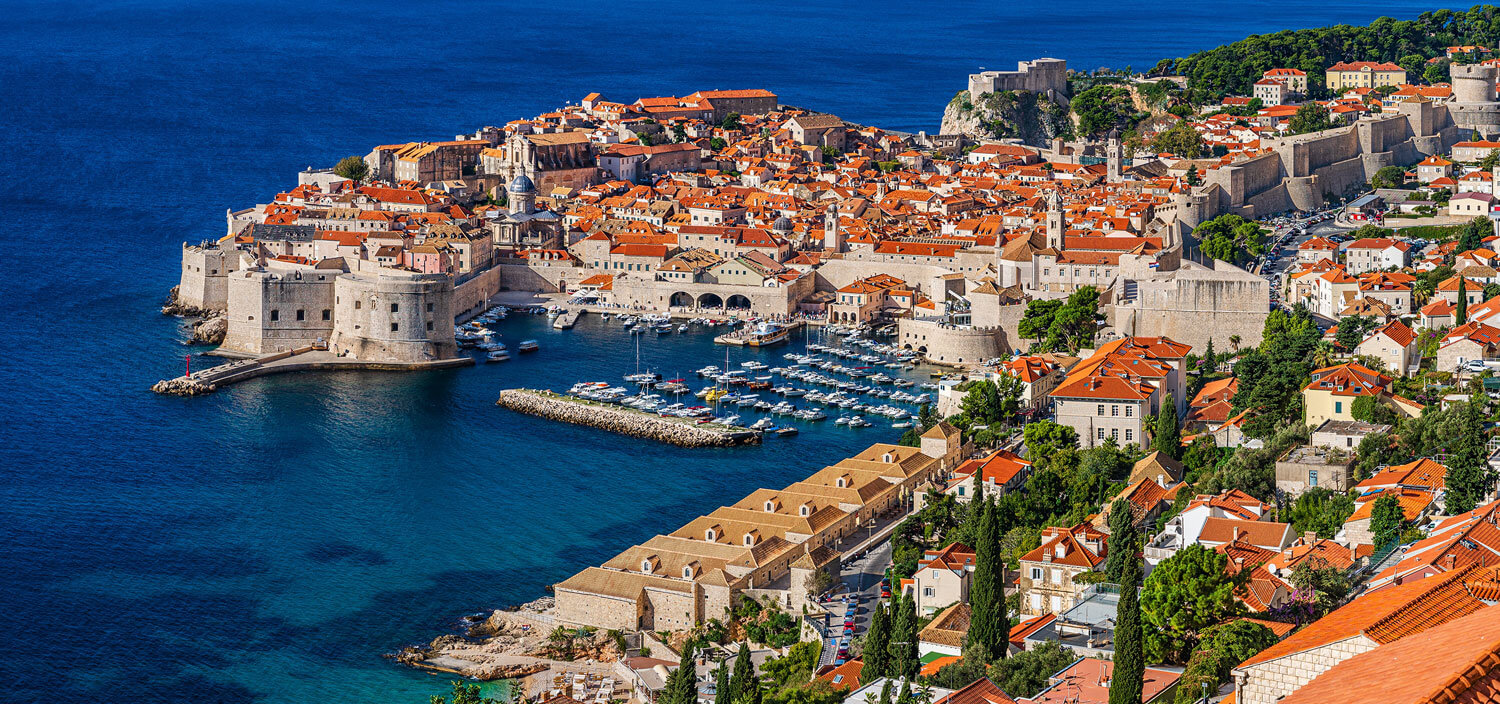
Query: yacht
point(528, 346)
point(499, 355)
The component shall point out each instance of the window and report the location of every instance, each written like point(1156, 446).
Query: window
point(299, 314)
point(327, 314)
point(1056, 576)
point(429, 325)
point(429, 307)
point(1312, 477)
point(356, 304)
point(928, 592)
point(395, 327)
point(1101, 433)
point(1114, 433)
point(1036, 573)
point(1114, 410)
point(1129, 411)
point(1338, 406)
point(275, 315)
point(1129, 435)
point(1101, 409)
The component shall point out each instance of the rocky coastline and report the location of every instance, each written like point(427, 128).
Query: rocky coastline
point(210, 326)
point(622, 420)
point(183, 386)
point(511, 644)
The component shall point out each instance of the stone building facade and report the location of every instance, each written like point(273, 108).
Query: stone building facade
point(1042, 76)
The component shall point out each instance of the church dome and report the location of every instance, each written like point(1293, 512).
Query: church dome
point(782, 224)
point(522, 184)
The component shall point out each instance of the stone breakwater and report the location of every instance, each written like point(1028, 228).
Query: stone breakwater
point(625, 421)
point(182, 386)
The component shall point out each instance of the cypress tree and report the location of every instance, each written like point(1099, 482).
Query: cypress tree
point(681, 686)
point(1168, 435)
point(1123, 538)
point(721, 682)
point(1130, 657)
point(905, 696)
point(877, 643)
point(989, 628)
point(1467, 467)
point(1461, 315)
point(744, 675)
point(904, 662)
point(1208, 354)
point(885, 693)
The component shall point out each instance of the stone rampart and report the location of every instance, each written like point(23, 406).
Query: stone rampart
point(949, 345)
point(393, 317)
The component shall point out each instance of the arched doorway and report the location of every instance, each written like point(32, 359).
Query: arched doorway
point(681, 300)
point(710, 300)
point(738, 301)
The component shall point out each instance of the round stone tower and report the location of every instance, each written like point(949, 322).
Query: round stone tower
point(1474, 106)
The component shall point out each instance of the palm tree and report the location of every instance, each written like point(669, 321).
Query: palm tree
point(1323, 354)
point(1234, 341)
point(561, 639)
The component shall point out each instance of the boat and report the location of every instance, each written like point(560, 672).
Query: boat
point(499, 355)
point(682, 328)
point(902, 424)
point(766, 333)
point(710, 370)
point(784, 432)
point(528, 346)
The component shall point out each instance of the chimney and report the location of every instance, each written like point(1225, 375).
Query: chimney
point(1449, 560)
point(1161, 480)
point(1234, 534)
point(1239, 563)
point(1309, 537)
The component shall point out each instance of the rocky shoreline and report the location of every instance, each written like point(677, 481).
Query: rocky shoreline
point(182, 386)
point(511, 645)
point(210, 327)
point(621, 420)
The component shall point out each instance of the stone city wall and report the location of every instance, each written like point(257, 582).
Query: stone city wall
point(946, 344)
point(264, 306)
point(204, 284)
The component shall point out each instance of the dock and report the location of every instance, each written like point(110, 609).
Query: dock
point(301, 359)
point(682, 432)
point(567, 320)
point(744, 337)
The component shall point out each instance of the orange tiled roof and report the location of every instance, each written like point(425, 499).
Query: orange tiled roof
point(1456, 662)
point(1384, 616)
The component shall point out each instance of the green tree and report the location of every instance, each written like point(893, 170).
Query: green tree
point(1168, 436)
point(1310, 117)
point(1184, 595)
point(1374, 450)
point(1027, 673)
point(744, 674)
point(989, 628)
point(877, 646)
point(352, 167)
point(1389, 177)
point(717, 143)
point(1123, 540)
point(1045, 437)
point(1223, 647)
point(682, 685)
point(1102, 108)
point(1353, 329)
point(1181, 139)
point(1328, 585)
point(731, 121)
point(1466, 483)
point(1371, 409)
point(679, 133)
point(1386, 520)
point(905, 662)
point(1436, 73)
point(1461, 313)
point(1130, 657)
point(1037, 319)
point(463, 694)
point(1322, 511)
point(723, 684)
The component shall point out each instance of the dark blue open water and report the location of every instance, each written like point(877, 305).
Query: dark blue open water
point(268, 543)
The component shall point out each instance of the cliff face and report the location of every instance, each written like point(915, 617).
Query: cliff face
point(1021, 115)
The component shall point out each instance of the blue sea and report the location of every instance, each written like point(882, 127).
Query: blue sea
point(270, 542)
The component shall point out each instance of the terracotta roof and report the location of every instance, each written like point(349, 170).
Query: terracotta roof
point(1265, 534)
point(1457, 662)
point(1384, 616)
point(980, 691)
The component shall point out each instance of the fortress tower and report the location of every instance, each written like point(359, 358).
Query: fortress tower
point(1041, 76)
point(1474, 106)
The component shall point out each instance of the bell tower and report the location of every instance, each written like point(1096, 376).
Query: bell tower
point(1055, 227)
point(833, 239)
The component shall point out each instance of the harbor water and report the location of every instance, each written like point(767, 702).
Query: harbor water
point(268, 543)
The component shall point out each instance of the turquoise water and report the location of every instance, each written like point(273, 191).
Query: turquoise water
point(269, 543)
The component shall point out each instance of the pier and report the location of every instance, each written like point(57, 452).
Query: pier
point(568, 319)
point(302, 359)
point(626, 421)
